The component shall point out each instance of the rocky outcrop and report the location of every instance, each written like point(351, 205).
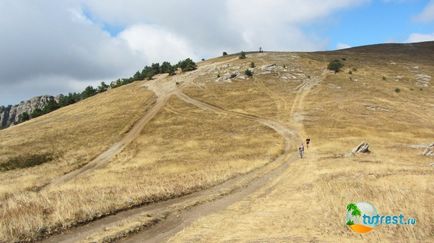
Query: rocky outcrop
point(429, 151)
point(361, 148)
point(9, 115)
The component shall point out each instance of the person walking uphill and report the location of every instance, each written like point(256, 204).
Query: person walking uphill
point(307, 142)
point(301, 150)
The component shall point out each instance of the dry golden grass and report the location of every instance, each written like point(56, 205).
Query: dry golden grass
point(71, 136)
point(308, 202)
point(183, 149)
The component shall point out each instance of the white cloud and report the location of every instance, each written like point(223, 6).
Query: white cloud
point(156, 44)
point(342, 46)
point(416, 37)
point(66, 40)
point(427, 15)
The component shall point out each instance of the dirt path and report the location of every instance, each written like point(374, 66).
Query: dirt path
point(298, 105)
point(175, 214)
point(163, 94)
point(175, 222)
point(220, 196)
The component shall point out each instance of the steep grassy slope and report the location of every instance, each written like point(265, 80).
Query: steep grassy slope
point(68, 138)
point(183, 149)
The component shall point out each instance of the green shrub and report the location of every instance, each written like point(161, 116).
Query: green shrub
point(335, 65)
point(225, 53)
point(187, 65)
point(242, 55)
point(88, 92)
point(397, 90)
point(23, 117)
point(102, 87)
point(248, 72)
point(252, 65)
point(37, 112)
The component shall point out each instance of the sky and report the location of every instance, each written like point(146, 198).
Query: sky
point(48, 47)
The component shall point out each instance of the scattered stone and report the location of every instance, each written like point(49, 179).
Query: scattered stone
point(429, 151)
point(272, 68)
point(423, 80)
point(377, 108)
point(228, 76)
point(361, 148)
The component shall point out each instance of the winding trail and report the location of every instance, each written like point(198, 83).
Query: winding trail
point(163, 90)
point(173, 215)
point(179, 212)
point(104, 158)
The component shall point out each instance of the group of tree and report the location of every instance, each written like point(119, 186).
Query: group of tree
point(148, 72)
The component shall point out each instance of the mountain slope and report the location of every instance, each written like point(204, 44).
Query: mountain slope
point(208, 132)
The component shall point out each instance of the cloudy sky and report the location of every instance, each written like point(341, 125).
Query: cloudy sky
point(59, 46)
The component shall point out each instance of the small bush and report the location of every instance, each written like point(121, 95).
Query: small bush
point(397, 90)
point(248, 73)
point(225, 53)
point(384, 78)
point(252, 65)
point(350, 72)
point(233, 75)
point(354, 69)
point(242, 55)
point(335, 65)
point(23, 117)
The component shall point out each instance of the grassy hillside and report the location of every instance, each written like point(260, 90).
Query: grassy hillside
point(308, 202)
point(384, 95)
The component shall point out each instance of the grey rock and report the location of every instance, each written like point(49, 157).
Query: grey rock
point(429, 151)
point(361, 148)
point(229, 76)
point(9, 115)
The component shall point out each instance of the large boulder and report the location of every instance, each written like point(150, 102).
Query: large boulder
point(429, 151)
point(361, 148)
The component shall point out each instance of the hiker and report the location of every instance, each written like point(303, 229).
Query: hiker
point(301, 150)
point(307, 142)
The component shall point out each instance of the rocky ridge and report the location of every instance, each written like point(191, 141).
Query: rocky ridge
point(9, 115)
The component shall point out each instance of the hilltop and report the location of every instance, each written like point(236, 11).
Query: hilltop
point(181, 156)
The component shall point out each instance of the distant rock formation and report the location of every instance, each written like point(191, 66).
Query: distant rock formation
point(9, 115)
point(361, 148)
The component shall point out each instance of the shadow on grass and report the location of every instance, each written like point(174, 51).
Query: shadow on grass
point(25, 161)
